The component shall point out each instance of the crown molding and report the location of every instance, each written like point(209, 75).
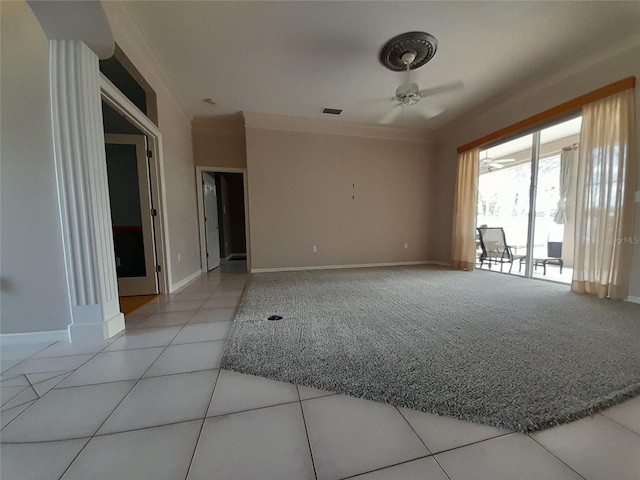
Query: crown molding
point(124, 23)
point(269, 121)
point(213, 125)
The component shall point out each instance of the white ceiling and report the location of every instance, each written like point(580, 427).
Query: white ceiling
point(293, 58)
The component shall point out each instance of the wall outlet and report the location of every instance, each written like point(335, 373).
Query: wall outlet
point(406, 246)
point(314, 248)
point(638, 196)
point(179, 257)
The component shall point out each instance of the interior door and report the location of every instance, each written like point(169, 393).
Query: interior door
point(131, 214)
point(211, 225)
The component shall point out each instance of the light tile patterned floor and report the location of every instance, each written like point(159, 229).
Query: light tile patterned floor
point(153, 404)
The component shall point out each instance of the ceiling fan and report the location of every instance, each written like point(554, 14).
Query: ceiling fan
point(491, 163)
point(407, 52)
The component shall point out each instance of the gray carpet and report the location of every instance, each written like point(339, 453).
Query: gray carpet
point(489, 348)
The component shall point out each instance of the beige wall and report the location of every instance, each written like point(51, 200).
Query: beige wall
point(175, 125)
point(301, 194)
point(215, 149)
point(541, 94)
point(33, 285)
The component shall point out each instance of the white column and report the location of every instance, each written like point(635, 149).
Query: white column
point(81, 170)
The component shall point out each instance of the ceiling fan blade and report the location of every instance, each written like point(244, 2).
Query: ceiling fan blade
point(495, 165)
point(445, 87)
point(392, 115)
point(376, 100)
point(503, 160)
point(428, 111)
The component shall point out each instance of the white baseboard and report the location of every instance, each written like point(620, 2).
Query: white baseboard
point(633, 299)
point(442, 264)
point(184, 281)
point(335, 267)
point(97, 331)
point(34, 337)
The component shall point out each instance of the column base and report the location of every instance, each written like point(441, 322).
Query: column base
point(97, 331)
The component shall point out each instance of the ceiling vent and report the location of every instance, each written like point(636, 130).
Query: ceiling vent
point(332, 111)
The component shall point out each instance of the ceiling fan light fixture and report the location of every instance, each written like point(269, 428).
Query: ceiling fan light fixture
point(408, 93)
point(421, 45)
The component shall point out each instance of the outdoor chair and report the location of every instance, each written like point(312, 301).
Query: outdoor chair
point(494, 247)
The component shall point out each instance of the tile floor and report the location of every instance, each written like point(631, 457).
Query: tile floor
point(152, 404)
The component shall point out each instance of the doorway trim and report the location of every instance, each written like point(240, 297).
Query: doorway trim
point(201, 227)
point(121, 104)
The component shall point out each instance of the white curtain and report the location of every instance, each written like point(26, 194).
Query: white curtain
point(463, 248)
point(607, 174)
point(567, 160)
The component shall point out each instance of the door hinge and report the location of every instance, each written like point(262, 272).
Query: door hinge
point(154, 212)
point(207, 254)
point(158, 268)
point(205, 218)
point(149, 154)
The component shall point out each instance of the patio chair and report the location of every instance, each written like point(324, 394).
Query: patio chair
point(495, 249)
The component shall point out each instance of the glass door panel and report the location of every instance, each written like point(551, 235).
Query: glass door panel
point(503, 198)
point(555, 202)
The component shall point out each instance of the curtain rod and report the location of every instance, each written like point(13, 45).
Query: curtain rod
point(557, 111)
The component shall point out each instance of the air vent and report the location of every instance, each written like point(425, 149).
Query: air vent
point(332, 111)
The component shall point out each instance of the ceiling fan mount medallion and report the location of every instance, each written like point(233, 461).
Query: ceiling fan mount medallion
point(421, 45)
point(404, 53)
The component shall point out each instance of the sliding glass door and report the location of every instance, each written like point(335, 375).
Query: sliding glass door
point(525, 190)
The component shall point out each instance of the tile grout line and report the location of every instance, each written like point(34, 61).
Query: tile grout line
point(131, 380)
point(25, 359)
point(389, 466)
point(39, 397)
point(306, 431)
point(16, 406)
point(423, 442)
point(441, 467)
point(475, 443)
point(195, 447)
point(556, 457)
point(112, 433)
point(413, 430)
point(433, 455)
point(88, 438)
point(76, 456)
point(616, 422)
point(251, 409)
point(119, 403)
